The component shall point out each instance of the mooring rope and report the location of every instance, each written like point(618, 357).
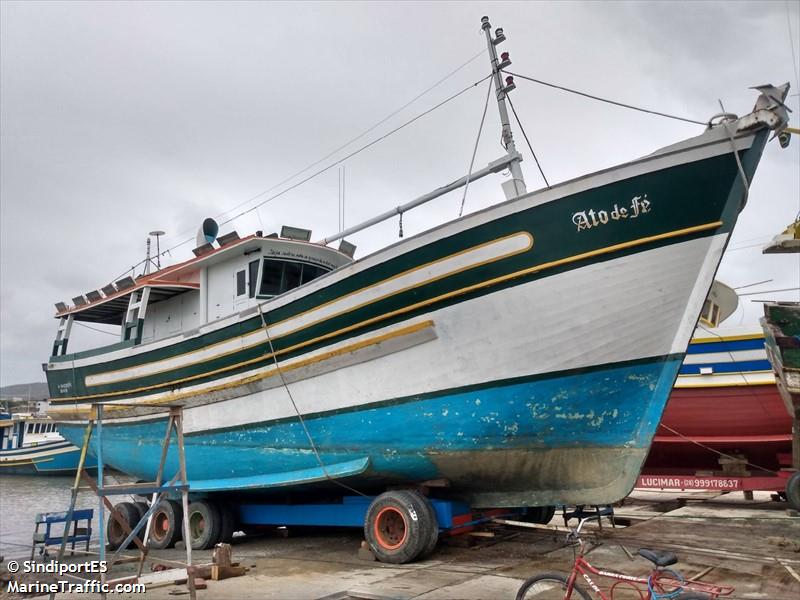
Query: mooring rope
point(297, 411)
point(745, 183)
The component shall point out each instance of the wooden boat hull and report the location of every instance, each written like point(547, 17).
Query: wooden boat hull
point(52, 458)
point(523, 353)
point(735, 408)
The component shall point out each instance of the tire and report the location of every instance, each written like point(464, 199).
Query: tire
point(398, 526)
point(227, 522)
point(167, 525)
point(204, 524)
point(433, 540)
point(793, 491)
point(539, 514)
point(142, 507)
point(115, 534)
point(549, 586)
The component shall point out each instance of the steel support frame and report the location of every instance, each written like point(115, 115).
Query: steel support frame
point(178, 483)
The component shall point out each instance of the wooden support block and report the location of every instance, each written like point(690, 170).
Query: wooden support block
point(365, 553)
point(487, 534)
point(202, 571)
point(222, 555)
point(219, 572)
point(200, 584)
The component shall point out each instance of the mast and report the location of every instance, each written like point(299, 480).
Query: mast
point(512, 188)
point(517, 182)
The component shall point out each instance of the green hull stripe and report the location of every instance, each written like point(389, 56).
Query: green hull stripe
point(680, 197)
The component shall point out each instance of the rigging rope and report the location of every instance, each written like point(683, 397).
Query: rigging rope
point(359, 136)
point(525, 135)
point(475, 149)
point(362, 134)
point(688, 439)
point(95, 328)
point(614, 102)
point(297, 411)
point(359, 150)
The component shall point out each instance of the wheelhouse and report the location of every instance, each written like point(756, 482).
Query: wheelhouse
point(218, 283)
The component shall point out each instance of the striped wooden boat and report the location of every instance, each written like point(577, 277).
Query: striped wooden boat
point(726, 399)
point(522, 355)
point(31, 445)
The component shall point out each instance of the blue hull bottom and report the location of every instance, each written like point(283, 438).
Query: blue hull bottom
point(571, 437)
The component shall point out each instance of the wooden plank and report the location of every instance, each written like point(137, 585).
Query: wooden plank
point(219, 572)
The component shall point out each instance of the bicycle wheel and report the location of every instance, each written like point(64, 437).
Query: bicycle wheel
point(549, 586)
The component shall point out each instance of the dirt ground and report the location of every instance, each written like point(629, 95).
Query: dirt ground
point(751, 545)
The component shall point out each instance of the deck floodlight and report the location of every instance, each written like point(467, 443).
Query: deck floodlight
point(109, 289)
point(93, 295)
point(347, 248)
point(79, 300)
point(296, 233)
point(61, 307)
point(203, 249)
point(125, 283)
point(228, 238)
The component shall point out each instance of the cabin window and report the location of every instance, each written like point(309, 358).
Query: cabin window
point(271, 278)
point(280, 276)
point(292, 273)
point(312, 272)
point(252, 279)
point(710, 314)
point(241, 286)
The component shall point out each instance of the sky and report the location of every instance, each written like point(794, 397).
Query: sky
point(120, 118)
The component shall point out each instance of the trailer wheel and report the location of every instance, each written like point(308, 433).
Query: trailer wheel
point(793, 491)
point(398, 526)
point(540, 514)
point(204, 524)
point(430, 546)
point(167, 525)
point(142, 507)
point(227, 520)
point(115, 534)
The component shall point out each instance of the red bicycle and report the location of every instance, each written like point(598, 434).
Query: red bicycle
point(661, 584)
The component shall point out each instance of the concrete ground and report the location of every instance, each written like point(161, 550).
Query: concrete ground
point(751, 545)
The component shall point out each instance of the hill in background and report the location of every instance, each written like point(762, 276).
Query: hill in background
point(38, 391)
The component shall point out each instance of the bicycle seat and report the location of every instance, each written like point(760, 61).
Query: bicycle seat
point(661, 558)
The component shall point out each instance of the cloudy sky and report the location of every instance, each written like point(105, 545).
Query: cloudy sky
point(121, 118)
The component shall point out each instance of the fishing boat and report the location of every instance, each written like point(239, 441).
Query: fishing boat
point(31, 445)
point(521, 355)
point(725, 403)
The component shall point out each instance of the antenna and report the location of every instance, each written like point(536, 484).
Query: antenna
point(517, 182)
point(157, 233)
point(147, 258)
